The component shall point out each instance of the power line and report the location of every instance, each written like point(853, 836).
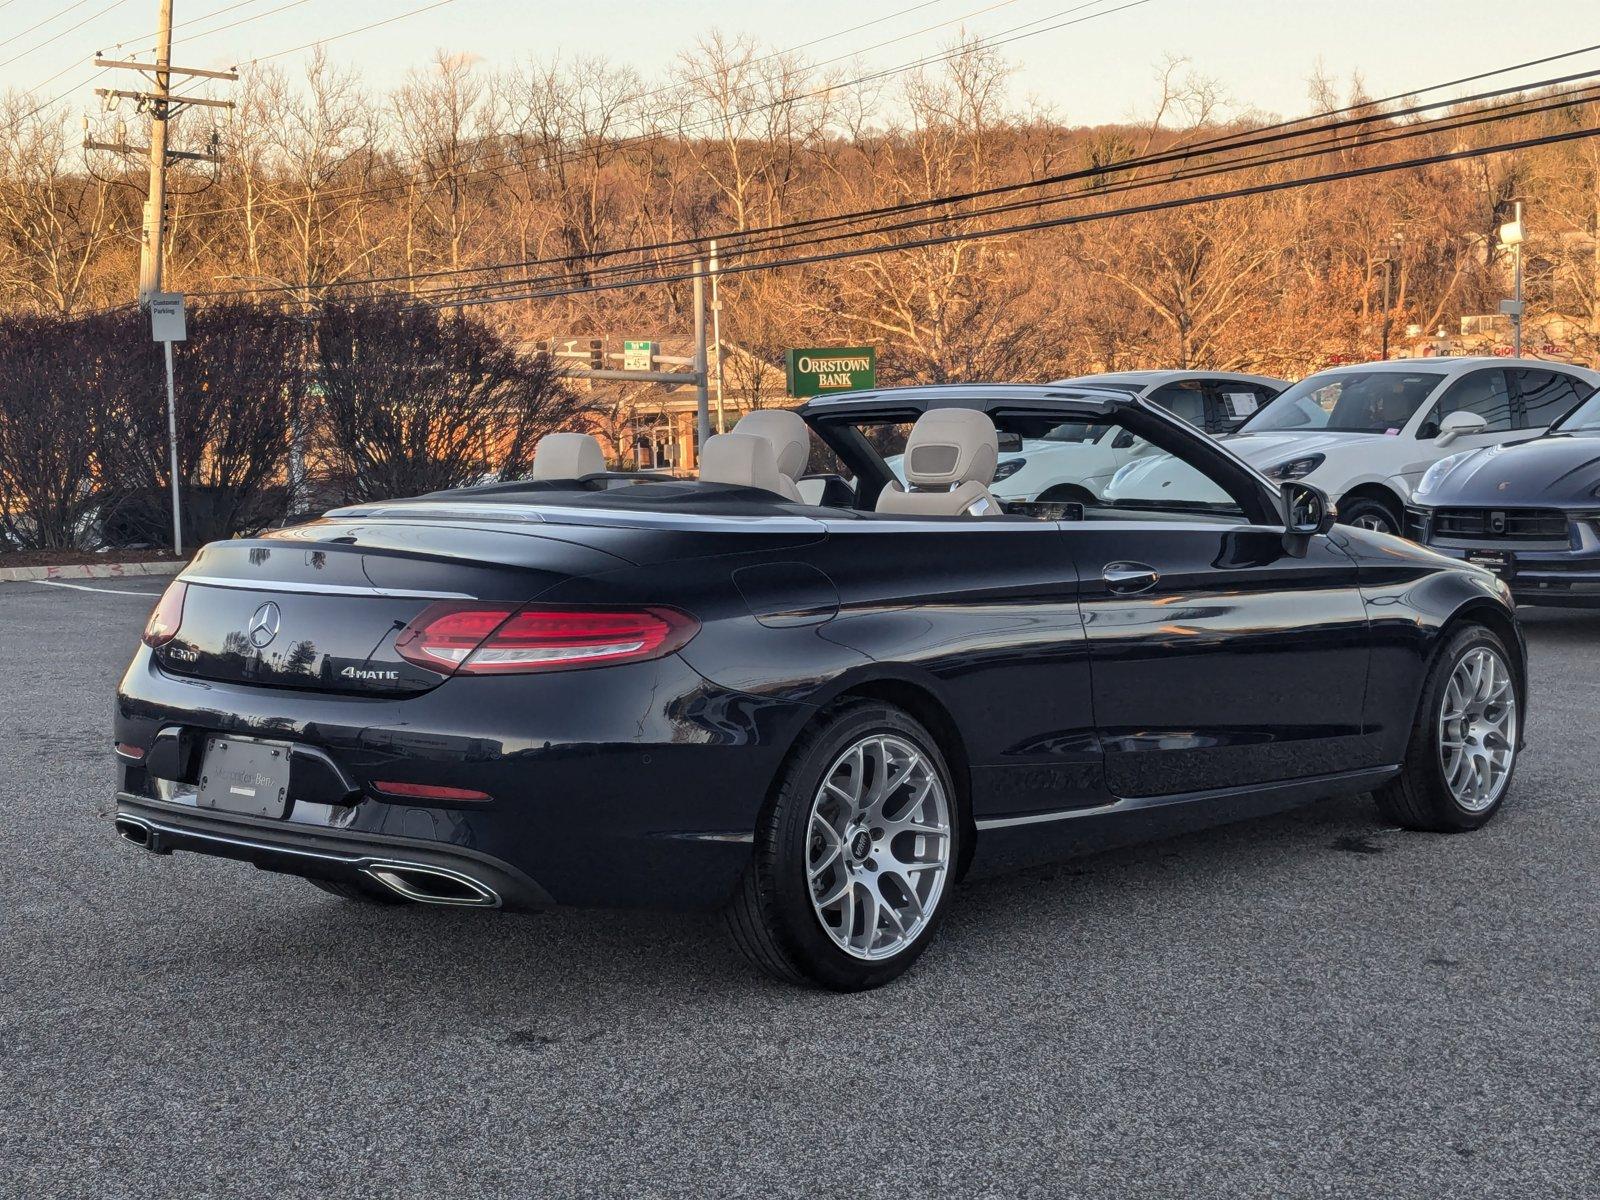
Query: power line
point(1265, 158)
point(55, 16)
point(356, 192)
point(733, 240)
point(347, 33)
point(216, 12)
point(130, 41)
point(1055, 222)
point(63, 33)
point(1448, 124)
point(446, 297)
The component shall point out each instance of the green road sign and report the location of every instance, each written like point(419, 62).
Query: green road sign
point(831, 369)
point(636, 355)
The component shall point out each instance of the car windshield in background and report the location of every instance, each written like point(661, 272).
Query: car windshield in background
point(1583, 419)
point(1071, 431)
point(1348, 402)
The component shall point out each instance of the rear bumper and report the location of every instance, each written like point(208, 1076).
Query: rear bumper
point(486, 882)
point(631, 786)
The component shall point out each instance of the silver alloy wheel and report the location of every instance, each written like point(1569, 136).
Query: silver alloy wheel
point(878, 846)
point(1478, 729)
point(1373, 521)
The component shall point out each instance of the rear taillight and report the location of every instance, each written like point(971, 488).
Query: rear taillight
point(163, 624)
point(494, 639)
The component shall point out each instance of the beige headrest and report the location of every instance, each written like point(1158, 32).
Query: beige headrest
point(790, 439)
point(567, 456)
point(951, 445)
point(742, 460)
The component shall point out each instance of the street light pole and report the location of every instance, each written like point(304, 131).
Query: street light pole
point(1388, 274)
point(1511, 236)
point(1516, 286)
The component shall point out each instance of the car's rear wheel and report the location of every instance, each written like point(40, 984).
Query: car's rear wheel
point(1463, 749)
point(855, 856)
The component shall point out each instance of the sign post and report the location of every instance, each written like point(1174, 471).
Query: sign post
point(817, 372)
point(167, 325)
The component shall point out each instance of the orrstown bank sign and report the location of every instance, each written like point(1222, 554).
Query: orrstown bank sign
point(839, 369)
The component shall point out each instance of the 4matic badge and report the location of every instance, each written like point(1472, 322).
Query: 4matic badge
point(365, 673)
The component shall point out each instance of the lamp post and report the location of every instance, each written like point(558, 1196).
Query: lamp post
point(1388, 291)
point(1511, 235)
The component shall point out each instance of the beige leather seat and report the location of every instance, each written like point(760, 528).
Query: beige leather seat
point(567, 456)
point(743, 461)
point(949, 463)
point(790, 441)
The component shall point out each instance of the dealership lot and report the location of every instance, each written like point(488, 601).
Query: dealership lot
point(1311, 1005)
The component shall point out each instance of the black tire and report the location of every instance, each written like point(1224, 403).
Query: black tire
point(1351, 512)
point(1420, 797)
point(771, 917)
point(358, 890)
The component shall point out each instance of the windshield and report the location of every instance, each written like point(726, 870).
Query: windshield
point(1348, 402)
point(1583, 419)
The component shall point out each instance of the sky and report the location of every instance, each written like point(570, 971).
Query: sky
point(1262, 52)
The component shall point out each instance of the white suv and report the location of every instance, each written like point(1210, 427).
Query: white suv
point(1365, 434)
point(1075, 461)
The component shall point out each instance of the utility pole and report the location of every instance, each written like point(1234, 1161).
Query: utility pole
point(716, 336)
point(167, 313)
point(162, 106)
point(701, 392)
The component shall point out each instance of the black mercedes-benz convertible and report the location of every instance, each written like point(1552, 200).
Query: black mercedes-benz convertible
point(802, 689)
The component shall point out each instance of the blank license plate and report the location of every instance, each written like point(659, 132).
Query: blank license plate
point(245, 777)
point(1498, 561)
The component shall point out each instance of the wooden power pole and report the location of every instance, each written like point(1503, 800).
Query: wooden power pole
point(162, 106)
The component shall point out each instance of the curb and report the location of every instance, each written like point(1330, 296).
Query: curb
point(88, 571)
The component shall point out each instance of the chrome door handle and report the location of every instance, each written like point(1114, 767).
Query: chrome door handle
point(1126, 578)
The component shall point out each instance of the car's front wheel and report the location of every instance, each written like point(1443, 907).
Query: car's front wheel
point(1367, 513)
point(1463, 749)
point(855, 855)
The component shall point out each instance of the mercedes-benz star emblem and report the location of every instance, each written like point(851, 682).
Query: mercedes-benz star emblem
point(264, 625)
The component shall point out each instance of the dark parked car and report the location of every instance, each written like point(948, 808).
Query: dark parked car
point(1529, 511)
point(708, 693)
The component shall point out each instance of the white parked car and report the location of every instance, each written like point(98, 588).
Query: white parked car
point(1075, 461)
point(1365, 434)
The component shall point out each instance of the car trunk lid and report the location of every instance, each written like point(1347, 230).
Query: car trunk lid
point(322, 607)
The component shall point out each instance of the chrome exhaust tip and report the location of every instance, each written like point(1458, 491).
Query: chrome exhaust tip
point(133, 830)
point(432, 885)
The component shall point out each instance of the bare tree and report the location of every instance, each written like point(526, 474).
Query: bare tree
point(415, 401)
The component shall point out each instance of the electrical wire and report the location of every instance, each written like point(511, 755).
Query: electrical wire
point(58, 36)
point(1054, 222)
point(55, 16)
point(500, 169)
point(347, 33)
point(1450, 124)
point(730, 241)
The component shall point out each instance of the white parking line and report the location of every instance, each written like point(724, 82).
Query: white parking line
point(78, 587)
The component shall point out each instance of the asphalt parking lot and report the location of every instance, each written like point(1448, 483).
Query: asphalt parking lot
point(1315, 1005)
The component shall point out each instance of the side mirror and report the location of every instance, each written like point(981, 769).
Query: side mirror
point(1010, 442)
point(1307, 511)
point(1459, 424)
